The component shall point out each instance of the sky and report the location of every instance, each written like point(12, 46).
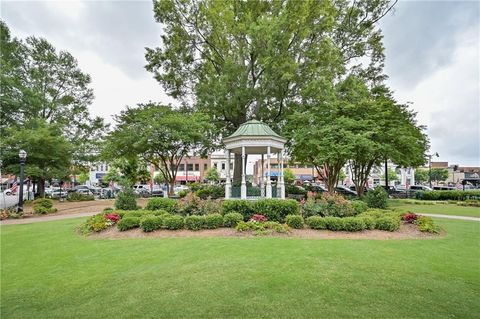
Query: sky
point(432, 50)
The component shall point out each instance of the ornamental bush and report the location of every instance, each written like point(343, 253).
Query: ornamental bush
point(96, 223)
point(126, 200)
point(311, 208)
point(425, 224)
point(151, 223)
point(189, 205)
point(45, 202)
point(448, 195)
point(353, 224)
point(295, 221)
point(335, 205)
point(334, 223)
point(160, 203)
point(316, 222)
point(43, 206)
point(232, 219)
point(210, 191)
point(173, 222)
point(377, 198)
point(359, 206)
point(410, 217)
point(194, 222)
point(244, 207)
point(213, 221)
point(387, 223)
point(369, 222)
point(276, 209)
point(135, 213)
point(128, 223)
point(79, 197)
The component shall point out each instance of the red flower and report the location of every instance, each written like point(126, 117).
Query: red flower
point(258, 218)
point(410, 217)
point(113, 217)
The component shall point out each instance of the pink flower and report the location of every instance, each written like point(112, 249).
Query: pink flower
point(113, 217)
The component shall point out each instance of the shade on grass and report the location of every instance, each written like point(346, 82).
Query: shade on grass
point(48, 271)
point(442, 209)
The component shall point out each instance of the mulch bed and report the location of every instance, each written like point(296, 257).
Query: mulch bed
point(406, 231)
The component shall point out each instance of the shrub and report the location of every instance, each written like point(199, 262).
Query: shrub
point(258, 218)
point(294, 221)
point(96, 223)
point(232, 219)
point(377, 198)
point(213, 221)
point(369, 222)
point(353, 224)
point(189, 205)
point(310, 208)
point(359, 206)
point(448, 195)
point(43, 206)
point(244, 207)
point(409, 218)
point(194, 222)
point(160, 212)
point(387, 223)
point(79, 197)
point(316, 222)
point(126, 200)
point(425, 224)
point(210, 206)
point(136, 213)
point(261, 228)
point(379, 213)
point(151, 223)
point(335, 205)
point(242, 226)
point(276, 209)
point(128, 223)
point(158, 203)
point(209, 191)
point(173, 222)
point(107, 210)
point(334, 223)
point(114, 218)
point(45, 202)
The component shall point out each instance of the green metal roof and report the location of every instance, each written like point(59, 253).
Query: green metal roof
point(254, 128)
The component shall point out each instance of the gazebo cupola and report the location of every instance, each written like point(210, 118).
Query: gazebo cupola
point(255, 137)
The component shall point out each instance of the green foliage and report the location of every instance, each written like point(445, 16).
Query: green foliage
point(135, 213)
point(359, 206)
point(205, 191)
point(392, 175)
point(288, 176)
point(439, 174)
point(421, 176)
point(334, 205)
point(189, 205)
point(212, 175)
point(377, 198)
point(425, 224)
point(387, 223)
point(43, 206)
point(45, 202)
point(369, 222)
point(241, 206)
point(108, 210)
point(128, 223)
point(151, 223)
point(173, 222)
point(261, 228)
point(213, 221)
point(294, 221)
point(83, 178)
point(448, 195)
point(276, 209)
point(95, 223)
point(157, 203)
point(316, 222)
point(78, 197)
point(126, 200)
point(232, 219)
point(311, 208)
point(335, 223)
point(195, 222)
point(353, 224)
point(160, 212)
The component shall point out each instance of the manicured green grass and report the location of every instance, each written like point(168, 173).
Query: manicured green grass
point(48, 271)
point(443, 209)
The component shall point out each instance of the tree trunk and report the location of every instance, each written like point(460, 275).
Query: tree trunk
point(171, 187)
point(41, 187)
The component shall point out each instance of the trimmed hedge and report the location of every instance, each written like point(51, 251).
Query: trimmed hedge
point(213, 221)
point(160, 203)
point(173, 222)
point(369, 222)
point(232, 219)
point(295, 221)
point(194, 222)
point(316, 222)
point(387, 223)
point(273, 209)
point(335, 223)
point(359, 206)
point(244, 207)
point(128, 223)
point(448, 195)
point(425, 224)
point(151, 223)
point(353, 224)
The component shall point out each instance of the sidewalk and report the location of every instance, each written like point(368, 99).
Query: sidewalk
point(477, 219)
point(44, 219)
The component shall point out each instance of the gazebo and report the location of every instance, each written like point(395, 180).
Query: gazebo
point(255, 137)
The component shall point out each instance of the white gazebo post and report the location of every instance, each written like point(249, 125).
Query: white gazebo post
point(243, 189)
point(269, 181)
point(282, 182)
point(262, 180)
point(278, 174)
point(228, 183)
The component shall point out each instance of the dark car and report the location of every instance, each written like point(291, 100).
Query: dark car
point(156, 191)
point(344, 190)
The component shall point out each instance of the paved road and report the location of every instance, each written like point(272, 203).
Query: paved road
point(477, 219)
point(8, 201)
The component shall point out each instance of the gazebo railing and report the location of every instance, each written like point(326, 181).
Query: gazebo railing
point(253, 191)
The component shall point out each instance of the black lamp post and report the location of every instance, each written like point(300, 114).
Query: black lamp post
point(430, 167)
point(23, 156)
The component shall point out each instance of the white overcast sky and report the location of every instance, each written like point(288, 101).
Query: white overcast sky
point(432, 50)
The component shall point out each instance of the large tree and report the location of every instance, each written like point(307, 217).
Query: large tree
point(235, 59)
point(160, 135)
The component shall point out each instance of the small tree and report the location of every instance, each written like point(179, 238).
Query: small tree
point(288, 176)
point(212, 175)
point(392, 175)
point(439, 174)
point(421, 176)
point(83, 178)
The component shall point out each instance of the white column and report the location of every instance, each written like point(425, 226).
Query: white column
point(262, 180)
point(243, 189)
point(269, 182)
point(228, 183)
point(282, 182)
point(279, 169)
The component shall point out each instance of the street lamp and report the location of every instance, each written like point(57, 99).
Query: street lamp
point(23, 156)
point(430, 167)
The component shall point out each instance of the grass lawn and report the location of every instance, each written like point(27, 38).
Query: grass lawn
point(444, 209)
point(50, 272)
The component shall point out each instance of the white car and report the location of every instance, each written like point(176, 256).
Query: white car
point(180, 188)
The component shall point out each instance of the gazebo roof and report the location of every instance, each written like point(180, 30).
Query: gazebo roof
point(254, 128)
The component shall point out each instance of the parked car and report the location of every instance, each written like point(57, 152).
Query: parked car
point(344, 190)
point(84, 192)
point(443, 188)
point(57, 193)
point(418, 188)
point(156, 191)
point(180, 188)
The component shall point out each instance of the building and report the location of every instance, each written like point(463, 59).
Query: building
point(302, 172)
point(218, 160)
point(190, 169)
point(97, 171)
point(405, 176)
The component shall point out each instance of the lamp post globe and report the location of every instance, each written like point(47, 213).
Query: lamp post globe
point(23, 156)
